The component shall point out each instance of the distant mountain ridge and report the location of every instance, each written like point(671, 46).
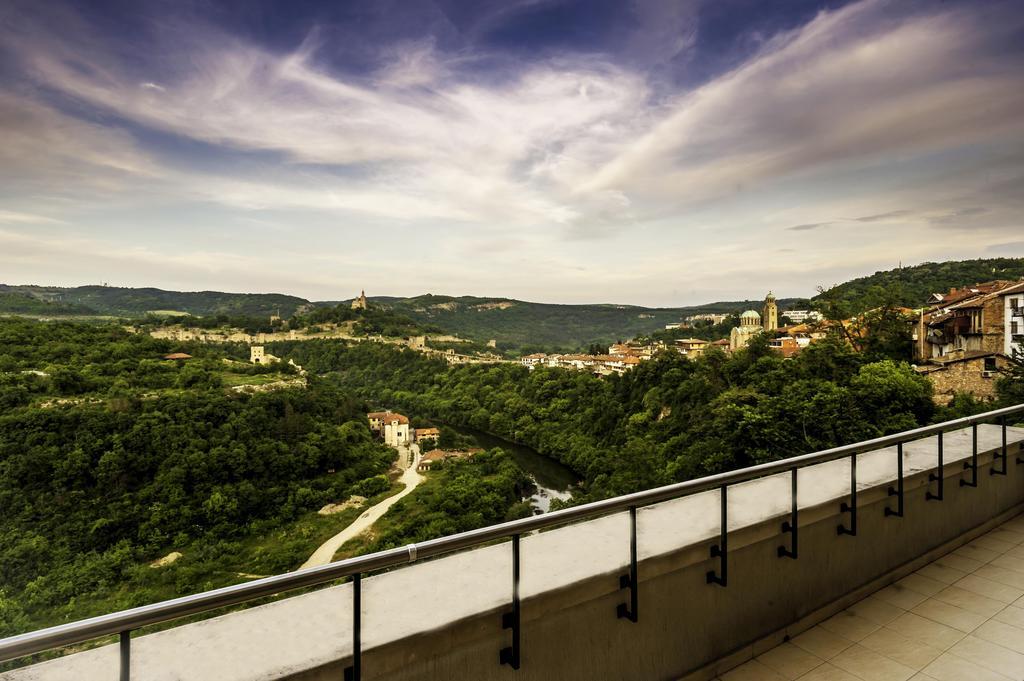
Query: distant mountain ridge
point(513, 323)
point(135, 302)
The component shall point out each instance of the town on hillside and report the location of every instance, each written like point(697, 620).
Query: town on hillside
point(959, 340)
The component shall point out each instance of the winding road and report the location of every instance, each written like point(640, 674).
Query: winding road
point(325, 553)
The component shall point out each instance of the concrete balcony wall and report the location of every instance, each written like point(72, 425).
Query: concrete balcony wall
point(441, 619)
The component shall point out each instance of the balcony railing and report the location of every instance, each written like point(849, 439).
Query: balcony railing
point(125, 622)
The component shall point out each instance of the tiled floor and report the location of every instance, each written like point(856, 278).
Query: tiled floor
point(960, 618)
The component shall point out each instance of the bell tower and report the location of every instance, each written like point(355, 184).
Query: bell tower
point(770, 316)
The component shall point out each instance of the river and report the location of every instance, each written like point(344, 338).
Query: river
point(552, 479)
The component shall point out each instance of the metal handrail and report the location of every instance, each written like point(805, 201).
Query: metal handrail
point(128, 620)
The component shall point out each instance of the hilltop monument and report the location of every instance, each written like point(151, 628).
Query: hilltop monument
point(360, 302)
point(770, 313)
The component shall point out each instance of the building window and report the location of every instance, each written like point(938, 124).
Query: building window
point(1014, 328)
point(990, 364)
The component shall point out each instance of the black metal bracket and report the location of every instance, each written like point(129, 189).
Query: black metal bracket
point(721, 549)
point(630, 581)
point(936, 476)
point(354, 672)
point(125, 639)
point(1001, 454)
point(851, 507)
point(972, 465)
point(511, 620)
point(898, 490)
point(791, 526)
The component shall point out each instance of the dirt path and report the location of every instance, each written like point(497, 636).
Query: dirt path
point(410, 477)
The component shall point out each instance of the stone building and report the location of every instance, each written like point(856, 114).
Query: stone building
point(966, 336)
point(259, 355)
point(973, 372)
point(770, 313)
point(750, 326)
point(360, 302)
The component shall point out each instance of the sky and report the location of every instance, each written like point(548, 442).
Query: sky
point(636, 152)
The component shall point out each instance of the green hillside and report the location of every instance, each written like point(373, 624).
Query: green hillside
point(12, 302)
point(521, 324)
point(912, 286)
point(131, 302)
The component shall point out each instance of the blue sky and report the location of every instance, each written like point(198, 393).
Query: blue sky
point(656, 153)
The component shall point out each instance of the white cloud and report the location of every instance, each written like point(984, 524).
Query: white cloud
point(557, 171)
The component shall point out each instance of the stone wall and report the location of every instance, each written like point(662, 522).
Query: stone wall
point(964, 376)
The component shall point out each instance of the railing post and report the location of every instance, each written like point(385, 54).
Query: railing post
point(510, 620)
point(936, 476)
point(721, 549)
point(1002, 454)
point(631, 580)
point(354, 673)
point(851, 507)
point(898, 491)
point(972, 465)
point(791, 525)
point(126, 655)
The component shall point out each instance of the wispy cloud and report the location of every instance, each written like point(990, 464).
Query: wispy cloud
point(892, 114)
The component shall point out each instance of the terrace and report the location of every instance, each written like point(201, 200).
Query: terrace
point(858, 562)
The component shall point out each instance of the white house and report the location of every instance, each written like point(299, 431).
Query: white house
point(1013, 321)
point(394, 428)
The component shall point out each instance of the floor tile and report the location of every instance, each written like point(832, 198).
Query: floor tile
point(961, 563)
point(877, 610)
point(1001, 575)
point(894, 645)
point(948, 667)
point(982, 585)
point(921, 584)
point(901, 596)
point(849, 626)
point(752, 671)
point(979, 554)
point(1011, 614)
point(1007, 535)
point(950, 615)
point(940, 573)
point(790, 661)
point(823, 643)
point(1009, 562)
point(828, 672)
point(1001, 633)
point(970, 601)
point(996, 545)
point(868, 665)
point(991, 656)
point(927, 631)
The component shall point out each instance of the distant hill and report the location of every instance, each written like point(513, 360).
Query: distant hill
point(13, 302)
point(913, 285)
point(133, 302)
point(520, 324)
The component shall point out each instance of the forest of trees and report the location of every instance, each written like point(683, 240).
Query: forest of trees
point(111, 457)
point(670, 419)
point(93, 489)
point(911, 286)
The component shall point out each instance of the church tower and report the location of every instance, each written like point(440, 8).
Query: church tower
point(770, 318)
point(360, 302)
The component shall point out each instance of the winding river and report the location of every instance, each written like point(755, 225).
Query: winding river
point(553, 480)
